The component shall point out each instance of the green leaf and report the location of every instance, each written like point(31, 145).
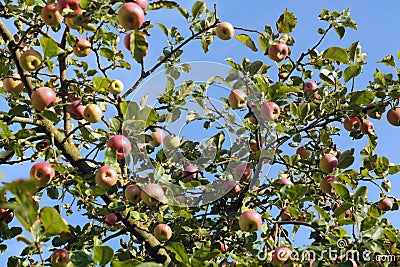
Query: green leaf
point(368, 223)
point(340, 30)
point(179, 250)
point(81, 259)
point(246, 40)
point(149, 264)
point(52, 221)
point(346, 159)
point(351, 72)
point(341, 190)
point(287, 22)
point(388, 61)
point(362, 97)
point(50, 47)
point(321, 212)
point(107, 53)
point(102, 255)
point(101, 84)
point(162, 4)
point(138, 46)
point(360, 195)
point(335, 53)
point(198, 8)
point(263, 43)
point(343, 208)
point(129, 263)
point(163, 28)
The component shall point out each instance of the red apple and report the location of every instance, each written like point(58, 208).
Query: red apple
point(59, 258)
point(82, 47)
point(157, 138)
point(237, 98)
point(131, 16)
point(270, 111)
point(42, 173)
point(70, 4)
point(121, 145)
point(303, 152)
point(43, 98)
point(50, 15)
point(9, 216)
point(352, 123)
point(224, 31)
point(142, 3)
point(310, 86)
point(233, 187)
point(326, 186)
point(285, 181)
point(190, 172)
point(30, 60)
point(111, 218)
point(92, 113)
point(162, 232)
point(328, 163)
point(278, 52)
point(132, 194)
point(281, 255)
point(13, 84)
point(250, 221)
point(393, 116)
point(127, 41)
point(367, 127)
point(385, 204)
point(76, 109)
point(242, 172)
point(152, 194)
point(171, 142)
point(106, 177)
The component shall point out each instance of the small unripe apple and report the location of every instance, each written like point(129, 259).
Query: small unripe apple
point(13, 84)
point(92, 113)
point(162, 232)
point(43, 98)
point(157, 138)
point(121, 145)
point(303, 152)
point(352, 123)
point(250, 221)
point(142, 3)
point(233, 187)
point(385, 204)
point(328, 163)
point(393, 116)
point(278, 52)
point(116, 87)
point(152, 194)
point(326, 186)
point(70, 4)
point(133, 194)
point(190, 172)
point(367, 127)
point(82, 47)
point(42, 173)
point(76, 109)
point(171, 142)
point(59, 258)
point(30, 60)
point(310, 86)
point(111, 218)
point(50, 15)
point(130, 16)
point(224, 31)
point(106, 177)
point(281, 255)
point(237, 98)
point(270, 111)
point(242, 172)
point(9, 216)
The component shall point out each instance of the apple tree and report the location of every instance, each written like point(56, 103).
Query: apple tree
point(111, 180)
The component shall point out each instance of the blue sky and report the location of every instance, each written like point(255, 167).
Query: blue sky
point(378, 24)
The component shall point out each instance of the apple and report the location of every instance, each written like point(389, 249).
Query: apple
point(253, 145)
point(278, 52)
point(328, 163)
point(106, 177)
point(367, 127)
point(50, 15)
point(157, 138)
point(310, 86)
point(76, 109)
point(116, 87)
point(152, 194)
point(190, 172)
point(385, 204)
point(285, 181)
point(270, 111)
point(233, 187)
point(30, 60)
point(121, 145)
point(70, 4)
point(393, 116)
point(303, 152)
point(59, 258)
point(92, 113)
point(111, 218)
point(127, 41)
point(43, 98)
point(171, 142)
point(130, 16)
point(237, 98)
point(132, 194)
point(13, 84)
point(250, 221)
point(224, 31)
point(42, 173)
point(219, 246)
point(283, 74)
point(77, 22)
point(326, 186)
point(82, 47)
point(9, 216)
point(242, 172)
point(162, 232)
point(142, 3)
point(280, 255)
point(252, 119)
point(352, 123)
point(372, 113)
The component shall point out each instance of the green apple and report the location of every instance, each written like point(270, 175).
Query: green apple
point(224, 31)
point(30, 60)
point(171, 142)
point(93, 113)
point(116, 87)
